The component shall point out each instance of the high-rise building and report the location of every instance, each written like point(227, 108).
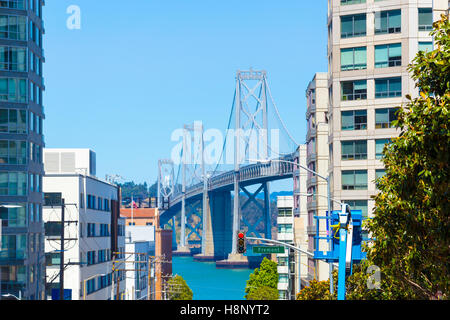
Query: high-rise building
point(22, 270)
point(370, 44)
point(317, 160)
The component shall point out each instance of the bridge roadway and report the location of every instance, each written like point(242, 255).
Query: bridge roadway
point(248, 175)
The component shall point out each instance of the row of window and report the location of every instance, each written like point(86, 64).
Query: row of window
point(357, 179)
point(386, 55)
point(15, 152)
point(104, 230)
point(14, 247)
point(357, 149)
point(16, 121)
point(386, 22)
point(15, 90)
point(34, 5)
point(15, 214)
point(357, 119)
point(101, 282)
point(384, 88)
point(95, 203)
point(16, 184)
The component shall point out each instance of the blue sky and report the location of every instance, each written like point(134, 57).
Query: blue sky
point(134, 73)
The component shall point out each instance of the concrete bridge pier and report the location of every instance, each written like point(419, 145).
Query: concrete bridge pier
point(218, 231)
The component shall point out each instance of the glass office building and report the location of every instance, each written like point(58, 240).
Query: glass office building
point(21, 143)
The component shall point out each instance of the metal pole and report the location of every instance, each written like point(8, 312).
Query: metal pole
point(237, 142)
point(330, 244)
point(61, 262)
point(183, 193)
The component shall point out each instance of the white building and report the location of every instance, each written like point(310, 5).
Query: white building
point(140, 246)
point(93, 228)
point(286, 261)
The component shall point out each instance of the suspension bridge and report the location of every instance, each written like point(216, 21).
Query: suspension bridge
point(209, 197)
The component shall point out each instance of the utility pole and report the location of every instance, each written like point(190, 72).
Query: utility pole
point(61, 262)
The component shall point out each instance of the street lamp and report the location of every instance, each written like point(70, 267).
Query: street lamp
point(327, 179)
point(87, 279)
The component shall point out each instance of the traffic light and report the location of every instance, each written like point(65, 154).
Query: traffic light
point(241, 242)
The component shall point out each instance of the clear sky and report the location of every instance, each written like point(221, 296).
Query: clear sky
point(139, 69)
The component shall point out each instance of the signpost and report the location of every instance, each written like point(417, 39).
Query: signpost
point(268, 249)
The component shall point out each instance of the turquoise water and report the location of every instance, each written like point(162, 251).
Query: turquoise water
point(209, 283)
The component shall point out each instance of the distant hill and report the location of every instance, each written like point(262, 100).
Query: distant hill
point(274, 195)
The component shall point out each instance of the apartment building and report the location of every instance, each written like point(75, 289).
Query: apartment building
point(93, 229)
point(370, 44)
point(317, 154)
point(286, 261)
point(22, 266)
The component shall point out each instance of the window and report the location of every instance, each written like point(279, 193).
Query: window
point(345, 2)
point(354, 90)
point(90, 286)
point(358, 205)
point(284, 228)
point(353, 58)
point(353, 26)
point(284, 212)
point(91, 229)
point(426, 46)
point(13, 90)
point(425, 19)
point(384, 117)
point(14, 215)
point(379, 173)
point(13, 59)
point(13, 4)
point(388, 22)
point(13, 247)
point(13, 152)
point(13, 27)
point(354, 120)
point(13, 183)
point(388, 88)
point(90, 257)
point(388, 55)
point(354, 180)
point(354, 150)
point(13, 121)
point(379, 146)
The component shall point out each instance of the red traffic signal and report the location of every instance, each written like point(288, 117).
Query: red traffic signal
point(240, 235)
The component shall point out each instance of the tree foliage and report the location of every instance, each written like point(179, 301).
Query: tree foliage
point(178, 289)
point(264, 276)
point(411, 216)
point(263, 293)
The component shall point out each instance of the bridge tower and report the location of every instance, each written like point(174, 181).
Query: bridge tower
point(192, 171)
point(251, 141)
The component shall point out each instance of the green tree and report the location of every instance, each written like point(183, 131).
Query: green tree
point(264, 276)
point(178, 289)
point(263, 293)
point(319, 290)
point(411, 219)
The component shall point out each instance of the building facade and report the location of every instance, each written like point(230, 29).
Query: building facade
point(139, 216)
point(317, 160)
point(22, 270)
point(370, 44)
point(93, 229)
point(286, 261)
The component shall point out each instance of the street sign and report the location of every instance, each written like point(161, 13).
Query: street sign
point(268, 249)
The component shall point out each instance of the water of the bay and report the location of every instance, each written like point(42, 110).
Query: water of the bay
point(209, 283)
